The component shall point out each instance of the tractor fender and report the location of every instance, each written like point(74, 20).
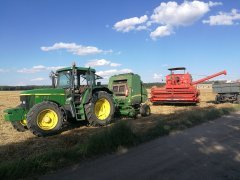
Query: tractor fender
point(87, 97)
point(102, 89)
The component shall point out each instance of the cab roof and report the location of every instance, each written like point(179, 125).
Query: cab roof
point(77, 68)
point(177, 68)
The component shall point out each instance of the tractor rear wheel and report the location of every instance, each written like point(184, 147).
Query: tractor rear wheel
point(20, 126)
point(45, 119)
point(145, 110)
point(101, 109)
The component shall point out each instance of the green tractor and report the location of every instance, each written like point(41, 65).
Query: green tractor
point(130, 96)
point(75, 96)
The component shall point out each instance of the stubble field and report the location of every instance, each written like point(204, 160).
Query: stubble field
point(15, 145)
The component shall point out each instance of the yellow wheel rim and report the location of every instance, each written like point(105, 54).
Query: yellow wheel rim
point(23, 122)
point(47, 119)
point(102, 109)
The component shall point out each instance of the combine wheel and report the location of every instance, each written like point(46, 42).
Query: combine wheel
point(101, 109)
point(45, 119)
point(20, 126)
point(145, 110)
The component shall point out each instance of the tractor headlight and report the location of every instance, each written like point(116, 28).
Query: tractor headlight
point(23, 100)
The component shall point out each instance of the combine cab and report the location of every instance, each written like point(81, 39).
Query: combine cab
point(179, 88)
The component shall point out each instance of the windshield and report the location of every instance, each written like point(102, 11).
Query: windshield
point(64, 80)
point(83, 80)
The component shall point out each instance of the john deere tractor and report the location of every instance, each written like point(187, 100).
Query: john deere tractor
point(75, 95)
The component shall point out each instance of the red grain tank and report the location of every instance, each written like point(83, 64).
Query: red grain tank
point(179, 88)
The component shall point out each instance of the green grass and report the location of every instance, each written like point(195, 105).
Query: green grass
point(107, 141)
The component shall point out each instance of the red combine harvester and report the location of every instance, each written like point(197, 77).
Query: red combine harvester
point(179, 88)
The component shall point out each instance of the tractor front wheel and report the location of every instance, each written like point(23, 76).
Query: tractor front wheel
point(101, 109)
point(20, 126)
point(145, 110)
point(45, 119)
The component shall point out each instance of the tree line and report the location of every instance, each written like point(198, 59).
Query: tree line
point(23, 88)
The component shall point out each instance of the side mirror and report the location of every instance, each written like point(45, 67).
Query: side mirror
point(53, 76)
point(98, 83)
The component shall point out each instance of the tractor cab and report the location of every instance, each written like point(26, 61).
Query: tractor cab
point(74, 78)
point(75, 81)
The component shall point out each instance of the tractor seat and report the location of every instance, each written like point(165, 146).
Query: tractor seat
point(83, 88)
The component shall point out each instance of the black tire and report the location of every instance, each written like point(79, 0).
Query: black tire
point(19, 126)
point(145, 110)
point(91, 108)
point(217, 99)
point(238, 98)
point(45, 109)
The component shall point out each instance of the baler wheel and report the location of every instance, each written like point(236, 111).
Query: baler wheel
point(45, 119)
point(145, 110)
point(20, 126)
point(101, 109)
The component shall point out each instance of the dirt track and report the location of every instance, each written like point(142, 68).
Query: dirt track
point(208, 151)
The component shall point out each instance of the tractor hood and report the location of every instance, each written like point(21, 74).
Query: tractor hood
point(43, 92)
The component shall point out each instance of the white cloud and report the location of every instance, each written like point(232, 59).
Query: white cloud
point(38, 79)
point(223, 18)
point(115, 64)
point(101, 62)
point(75, 49)
point(172, 14)
point(39, 68)
point(211, 4)
point(157, 76)
point(140, 28)
point(168, 16)
point(175, 14)
point(161, 31)
point(111, 72)
point(3, 70)
point(98, 62)
point(127, 25)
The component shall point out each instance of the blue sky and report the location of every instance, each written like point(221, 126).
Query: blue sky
point(145, 37)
